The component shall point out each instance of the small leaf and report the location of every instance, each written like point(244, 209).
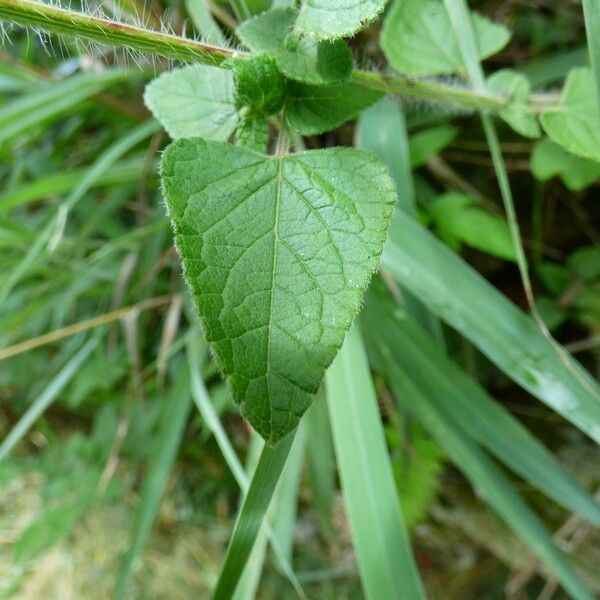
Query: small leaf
point(417, 38)
point(329, 19)
point(301, 58)
point(575, 124)
point(252, 132)
point(259, 84)
point(517, 88)
point(551, 160)
point(314, 109)
point(194, 101)
point(457, 218)
point(426, 143)
point(277, 252)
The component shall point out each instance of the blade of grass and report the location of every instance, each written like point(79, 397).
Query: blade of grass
point(591, 13)
point(463, 400)
point(172, 425)
point(386, 564)
point(59, 183)
point(251, 516)
point(207, 410)
point(509, 338)
point(485, 476)
point(46, 397)
point(321, 463)
point(202, 18)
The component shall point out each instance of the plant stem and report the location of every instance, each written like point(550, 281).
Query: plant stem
point(64, 21)
point(32, 13)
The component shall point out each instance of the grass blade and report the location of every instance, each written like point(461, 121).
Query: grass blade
point(509, 338)
point(252, 514)
point(173, 420)
point(591, 12)
point(45, 399)
point(386, 564)
point(485, 476)
point(321, 463)
point(468, 405)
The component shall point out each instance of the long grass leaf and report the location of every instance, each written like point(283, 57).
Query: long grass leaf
point(462, 399)
point(509, 338)
point(485, 476)
point(250, 519)
point(46, 397)
point(591, 12)
point(385, 560)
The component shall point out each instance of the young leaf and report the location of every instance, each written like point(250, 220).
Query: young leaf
point(550, 160)
point(417, 38)
point(314, 109)
point(337, 18)
point(277, 251)
point(259, 84)
point(194, 101)
point(517, 87)
point(457, 218)
point(426, 143)
point(301, 58)
point(575, 123)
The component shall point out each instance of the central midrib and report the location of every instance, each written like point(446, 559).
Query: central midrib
point(273, 270)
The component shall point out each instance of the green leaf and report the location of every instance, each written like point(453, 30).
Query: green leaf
point(303, 58)
point(575, 123)
point(426, 143)
point(252, 132)
point(385, 560)
point(508, 337)
point(277, 252)
point(194, 101)
point(251, 517)
point(259, 84)
point(417, 38)
point(329, 19)
point(458, 218)
point(199, 11)
point(517, 87)
point(465, 402)
point(551, 160)
point(314, 109)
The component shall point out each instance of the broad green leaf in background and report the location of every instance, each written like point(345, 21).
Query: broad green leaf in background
point(575, 123)
point(259, 84)
point(303, 58)
point(424, 144)
point(314, 109)
point(509, 338)
point(417, 38)
point(252, 132)
point(548, 160)
point(277, 251)
point(458, 219)
point(516, 86)
point(194, 101)
point(385, 560)
point(337, 18)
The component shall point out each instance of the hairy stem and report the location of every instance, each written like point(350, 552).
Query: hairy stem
point(69, 22)
point(32, 13)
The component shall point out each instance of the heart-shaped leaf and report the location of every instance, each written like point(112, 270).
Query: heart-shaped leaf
point(277, 252)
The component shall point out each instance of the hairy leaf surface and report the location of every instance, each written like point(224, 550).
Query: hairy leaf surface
point(302, 58)
point(576, 123)
point(312, 109)
point(197, 100)
point(337, 18)
point(277, 252)
point(417, 38)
